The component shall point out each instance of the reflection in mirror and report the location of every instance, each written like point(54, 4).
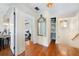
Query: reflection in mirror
point(41, 28)
point(64, 23)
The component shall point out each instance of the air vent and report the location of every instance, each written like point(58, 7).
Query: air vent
point(36, 8)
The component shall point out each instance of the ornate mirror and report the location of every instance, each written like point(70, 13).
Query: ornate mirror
point(41, 26)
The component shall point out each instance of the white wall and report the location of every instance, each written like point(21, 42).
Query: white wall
point(11, 18)
point(65, 35)
point(1, 24)
point(33, 30)
point(20, 31)
point(44, 40)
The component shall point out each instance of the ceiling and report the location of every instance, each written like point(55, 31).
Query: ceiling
point(3, 9)
point(60, 9)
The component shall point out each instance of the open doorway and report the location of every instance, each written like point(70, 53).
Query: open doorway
point(53, 29)
point(5, 38)
point(7, 35)
point(28, 31)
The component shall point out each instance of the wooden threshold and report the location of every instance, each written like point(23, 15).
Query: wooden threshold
point(75, 36)
point(22, 54)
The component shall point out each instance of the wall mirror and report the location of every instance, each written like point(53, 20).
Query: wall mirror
point(64, 23)
point(41, 26)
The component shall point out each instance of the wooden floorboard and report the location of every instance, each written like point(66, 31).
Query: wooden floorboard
point(39, 50)
point(52, 50)
point(22, 54)
point(6, 52)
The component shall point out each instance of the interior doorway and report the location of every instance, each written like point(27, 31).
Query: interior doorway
point(28, 30)
point(5, 38)
point(53, 29)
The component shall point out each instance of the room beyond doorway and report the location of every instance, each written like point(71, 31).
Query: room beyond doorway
point(53, 28)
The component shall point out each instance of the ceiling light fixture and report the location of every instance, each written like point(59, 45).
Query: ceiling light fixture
point(50, 5)
point(36, 8)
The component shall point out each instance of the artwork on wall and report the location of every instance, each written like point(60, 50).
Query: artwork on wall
point(41, 26)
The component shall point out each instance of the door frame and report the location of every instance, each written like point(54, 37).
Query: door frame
point(14, 14)
point(55, 27)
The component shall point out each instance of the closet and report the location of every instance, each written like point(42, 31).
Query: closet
point(53, 28)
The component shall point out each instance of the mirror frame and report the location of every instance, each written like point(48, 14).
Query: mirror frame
point(41, 21)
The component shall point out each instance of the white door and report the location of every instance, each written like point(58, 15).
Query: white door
point(12, 32)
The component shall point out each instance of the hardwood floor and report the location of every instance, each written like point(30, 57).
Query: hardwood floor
point(39, 50)
point(6, 52)
point(52, 50)
point(22, 54)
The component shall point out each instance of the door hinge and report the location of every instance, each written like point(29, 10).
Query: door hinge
point(14, 47)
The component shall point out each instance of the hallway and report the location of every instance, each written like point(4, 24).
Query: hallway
point(52, 50)
point(40, 23)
